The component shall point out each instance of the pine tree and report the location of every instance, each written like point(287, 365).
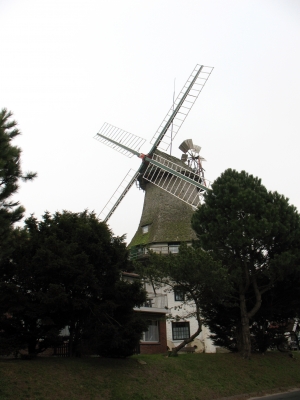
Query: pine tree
point(255, 233)
point(10, 174)
point(65, 270)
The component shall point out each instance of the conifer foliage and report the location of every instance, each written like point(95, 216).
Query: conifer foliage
point(66, 271)
point(255, 234)
point(10, 174)
point(62, 271)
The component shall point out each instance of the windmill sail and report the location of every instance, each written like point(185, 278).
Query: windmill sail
point(111, 136)
point(181, 182)
point(178, 112)
point(118, 195)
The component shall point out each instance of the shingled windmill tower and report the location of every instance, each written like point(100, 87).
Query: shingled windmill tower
point(173, 188)
point(166, 216)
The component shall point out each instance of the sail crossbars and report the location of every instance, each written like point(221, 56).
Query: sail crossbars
point(181, 182)
point(119, 135)
point(118, 195)
point(187, 97)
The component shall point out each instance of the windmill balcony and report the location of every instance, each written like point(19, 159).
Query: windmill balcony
point(141, 252)
point(159, 301)
point(158, 304)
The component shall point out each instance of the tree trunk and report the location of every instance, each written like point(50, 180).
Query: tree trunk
point(74, 341)
point(245, 330)
point(238, 337)
point(32, 346)
point(191, 338)
point(71, 339)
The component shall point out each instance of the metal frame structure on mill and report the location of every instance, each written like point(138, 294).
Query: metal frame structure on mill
point(166, 172)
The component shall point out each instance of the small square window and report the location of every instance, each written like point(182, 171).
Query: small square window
point(180, 330)
point(145, 229)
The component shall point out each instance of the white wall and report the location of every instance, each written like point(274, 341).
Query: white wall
point(184, 311)
point(202, 341)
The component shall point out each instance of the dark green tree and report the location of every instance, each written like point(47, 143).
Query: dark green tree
point(193, 272)
point(65, 271)
point(115, 329)
point(10, 175)
point(255, 234)
point(279, 305)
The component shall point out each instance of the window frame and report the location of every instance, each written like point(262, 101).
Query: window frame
point(184, 324)
point(143, 339)
point(173, 248)
point(179, 294)
point(145, 228)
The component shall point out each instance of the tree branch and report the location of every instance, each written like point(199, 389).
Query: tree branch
point(191, 338)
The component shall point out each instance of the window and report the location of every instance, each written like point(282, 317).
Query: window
point(145, 229)
point(151, 335)
point(178, 295)
point(174, 249)
point(180, 330)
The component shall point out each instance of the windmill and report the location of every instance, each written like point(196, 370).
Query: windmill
point(172, 186)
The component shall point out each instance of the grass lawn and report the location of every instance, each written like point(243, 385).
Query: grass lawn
point(189, 377)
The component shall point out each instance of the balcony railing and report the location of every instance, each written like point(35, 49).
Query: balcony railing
point(139, 252)
point(159, 301)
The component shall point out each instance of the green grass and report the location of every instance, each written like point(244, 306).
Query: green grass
point(189, 377)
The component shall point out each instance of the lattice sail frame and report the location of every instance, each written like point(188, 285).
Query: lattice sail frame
point(118, 195)
point(185, 108)
point(119, 135)
point(175, 182)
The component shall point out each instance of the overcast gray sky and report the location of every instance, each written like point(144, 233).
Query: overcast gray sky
point(69, 66)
